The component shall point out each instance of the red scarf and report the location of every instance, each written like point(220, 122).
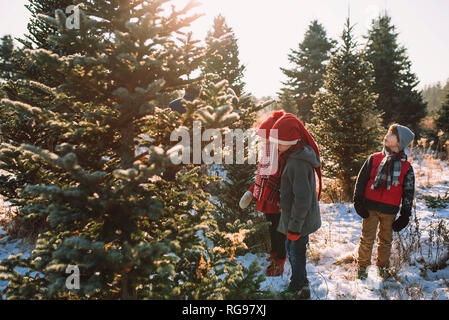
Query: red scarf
point(264, 164)
point(269, 186)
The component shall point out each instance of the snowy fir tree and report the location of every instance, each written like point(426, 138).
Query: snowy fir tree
point(71, 139)
point(224, 61)
point(306, 76)
point(395, 83)
point(345, 122)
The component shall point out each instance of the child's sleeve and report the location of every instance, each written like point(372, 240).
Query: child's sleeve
point(302, 195)
point(362, 179)
point(408, 192)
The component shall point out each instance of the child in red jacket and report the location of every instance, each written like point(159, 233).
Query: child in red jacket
point(268, 199)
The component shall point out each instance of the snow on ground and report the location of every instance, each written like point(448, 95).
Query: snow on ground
point(331, 266)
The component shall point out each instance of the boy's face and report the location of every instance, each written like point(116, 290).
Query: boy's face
point(391, 141)
point(283, 147)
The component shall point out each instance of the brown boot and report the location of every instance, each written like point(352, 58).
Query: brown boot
point(276, 268)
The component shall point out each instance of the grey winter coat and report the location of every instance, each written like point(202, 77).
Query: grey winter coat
point(300, 211)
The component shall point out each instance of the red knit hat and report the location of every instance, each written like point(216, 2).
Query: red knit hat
point(289, 130)
point(267, 124)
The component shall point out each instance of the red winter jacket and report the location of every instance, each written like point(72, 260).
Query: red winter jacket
point(392, 196)
point(385, 201)
point(265, 206)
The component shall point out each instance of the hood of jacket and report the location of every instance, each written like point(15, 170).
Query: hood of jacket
point(306, 153)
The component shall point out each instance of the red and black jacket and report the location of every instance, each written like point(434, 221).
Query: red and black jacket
point(385, 201)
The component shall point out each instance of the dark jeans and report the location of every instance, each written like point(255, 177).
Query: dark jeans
point(277, 238)
point(297, 256)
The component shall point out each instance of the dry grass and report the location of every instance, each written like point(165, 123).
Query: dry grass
point(349, 258)
point(429, 168)
point(332, 191)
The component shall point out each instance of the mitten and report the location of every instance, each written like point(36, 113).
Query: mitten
point(401, 222)
point(293, 236)
point(246, 199)
point(360, 207)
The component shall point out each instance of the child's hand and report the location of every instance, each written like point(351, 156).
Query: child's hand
point(246, 199)
point(360, 208)
point(401, 222)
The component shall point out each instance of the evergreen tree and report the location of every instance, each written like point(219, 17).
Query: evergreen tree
point(442, 120)
point(224, 61)
point(286, 101)
point(345, 122)
point(305, 77)
point(7, 66)
point(130, 233)
point(225, 64)
point(26, 88)
point(39, 31)
point(433, 97)
point(238, 178)
point(395, 83)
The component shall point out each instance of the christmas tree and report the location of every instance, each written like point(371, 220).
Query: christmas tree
point(225, 60)
point(238, 178)
point(40, 32)
point(286, 101)
point(395, 83)
point(7, 65)
point(345, 122)
point(224, 63)
point(107, 212)
point(305, 77)
point(32, 85)
point(442, 120)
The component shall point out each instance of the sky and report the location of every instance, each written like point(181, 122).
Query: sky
point(267, 29)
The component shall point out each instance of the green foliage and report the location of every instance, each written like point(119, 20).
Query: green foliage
point(394, 83)
point(438, 202)
point(346, 123)
point(239, 177)
point(225, 64)
point(224, 61)
point(286, 101)
point(306, 76)
point(7, 65)
point(442, 120)
point(434, 96)
point(72, 140)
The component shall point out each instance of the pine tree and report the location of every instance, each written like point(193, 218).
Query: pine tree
point(239, 177)
point(305, 77)
point(40, 32)
point(286, 101)
point(7, 65)
point(27, 87)
point(225, 64)
point(345, 122)
point(395, 83)
point(442, 120)
point(224, 61)
point(130, 233)
point(433, 97)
